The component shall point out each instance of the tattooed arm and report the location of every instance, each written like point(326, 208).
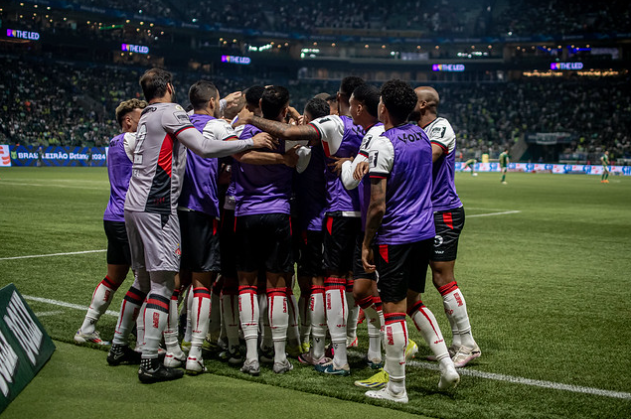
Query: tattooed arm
point(286, 131)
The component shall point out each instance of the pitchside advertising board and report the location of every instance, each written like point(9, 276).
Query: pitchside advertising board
point(24, 345)
point(55, 156)
point(561, 169)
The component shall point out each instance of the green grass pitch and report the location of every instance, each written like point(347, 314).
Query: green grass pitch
point(544, 264)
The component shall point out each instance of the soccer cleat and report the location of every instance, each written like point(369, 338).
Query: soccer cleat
point(122, 355)
point(195, 366)
point(94, 337)
point(466, 355)
point(329, 367)
point(386, 394)
point(152, 371)
point(174, 360)
point(186, 346)
point(352, 343)
point(411, 350)
point(266, 355)
point(452, 352)
point(305, 347)
point(308, 358)
point(377, 381)
point(449, 378)
point(235, 357)
point(374, 363)
point(251, 367)
point(282, 367)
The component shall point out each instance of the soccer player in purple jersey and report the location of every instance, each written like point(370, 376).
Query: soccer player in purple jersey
point(164, 133)
point(119, 163)
point(340, 137)
point(263, 233)
point(400, 231)
point(449, 218)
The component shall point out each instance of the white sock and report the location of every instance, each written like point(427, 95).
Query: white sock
point(156, 319)
point(318, 320)
point(373, 323)
point(171, 331)
point(336, 313)
point(200, 317)
point(395, 342)
point(249, 317)
point(293, 330)
point(264, 328)
point(189, 308)
point(353, 313)
point(130, 308)
point(428, 326)
point(278, 319)
point(456, 310)
point(101, 299)
point(230, 314)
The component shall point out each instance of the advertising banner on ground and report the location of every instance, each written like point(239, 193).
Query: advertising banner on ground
point(5, 156)
point(561, 169)
point(24, 345)
point(57, 156)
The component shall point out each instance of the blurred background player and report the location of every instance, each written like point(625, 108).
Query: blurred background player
point(164, 130)
point(400, 228)
point(470, 164)
point(119, 164)
point(605, 161)
point(504, 160)
point(449, 219)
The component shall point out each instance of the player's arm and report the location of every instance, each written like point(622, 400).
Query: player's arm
point(254, 157)
point(437, 152)
point(442, 138)
point(286, 131)
point(129, 144)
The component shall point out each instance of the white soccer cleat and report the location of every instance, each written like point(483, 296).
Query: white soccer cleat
point(195, 366)
point(411, 350)
point(386, 394)
point(282, 367)
point(172, 360)
point(466, 355)
point(449, 377)
point(94, 337)
point(251, 367)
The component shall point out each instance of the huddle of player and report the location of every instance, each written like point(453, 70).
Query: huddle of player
point(361, 198)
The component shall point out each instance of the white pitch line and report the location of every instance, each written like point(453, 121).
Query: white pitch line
point(48, 313)
point(491, 214)
point(528, 381)
point(64, 304)
point(54, 254)
point(49, 185)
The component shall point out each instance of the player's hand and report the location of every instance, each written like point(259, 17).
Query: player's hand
point(336, 164)
point(368, 259)
point(293, 113)
point(290, 157)
point(233, 98)
point(264, 140)
point(361, 170)
point(243, 117)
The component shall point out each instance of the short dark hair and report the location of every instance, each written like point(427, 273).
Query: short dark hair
point(128, 106)
point(317, 108)
point(349, 84)
point(154, 83)
point(273, 101)
point(200, 94)
point(369, 96)
point(253, 95)
point(399, 99)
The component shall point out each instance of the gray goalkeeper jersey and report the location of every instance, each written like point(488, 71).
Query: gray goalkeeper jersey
point(163, 132)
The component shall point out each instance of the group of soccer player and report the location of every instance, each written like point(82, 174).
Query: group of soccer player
point(361, 197)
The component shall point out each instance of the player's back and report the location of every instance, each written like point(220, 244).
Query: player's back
point(409, 212)
point(262, 189)
point(444, 195)
point(159, 159)
point(119, 167)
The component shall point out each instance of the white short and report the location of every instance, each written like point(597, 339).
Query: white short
point(154, 241)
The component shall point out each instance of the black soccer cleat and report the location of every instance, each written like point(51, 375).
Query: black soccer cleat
point(122, 355)
point(152, 371)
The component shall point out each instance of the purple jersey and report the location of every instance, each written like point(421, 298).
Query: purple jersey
point(199, 189)
point(340, 138)
point(261, 189)
point(403, 156)
point(119, 166)
point(311, 192)
point(444, 196)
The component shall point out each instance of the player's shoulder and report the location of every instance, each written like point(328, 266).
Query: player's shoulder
point(439, 128)
point(249, 131)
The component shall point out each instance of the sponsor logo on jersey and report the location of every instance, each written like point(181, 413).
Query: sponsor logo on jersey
point(438, 241)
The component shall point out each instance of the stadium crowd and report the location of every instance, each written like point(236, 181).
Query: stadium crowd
point(72, 105)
